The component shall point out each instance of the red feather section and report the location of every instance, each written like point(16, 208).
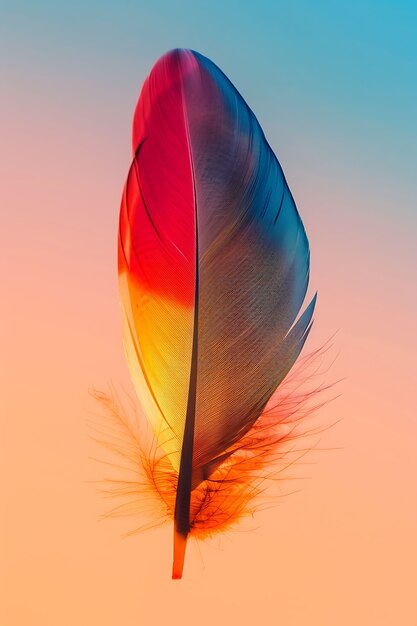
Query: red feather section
point(157, 218)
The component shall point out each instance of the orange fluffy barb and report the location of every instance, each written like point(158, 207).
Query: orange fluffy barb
point(214, 268)
point(145, 483)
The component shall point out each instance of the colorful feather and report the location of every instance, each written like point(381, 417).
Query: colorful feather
point(213, 270)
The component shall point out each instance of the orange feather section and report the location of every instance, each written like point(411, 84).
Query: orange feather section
point(146, 483)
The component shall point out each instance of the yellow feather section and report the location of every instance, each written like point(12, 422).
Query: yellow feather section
point(157, 336)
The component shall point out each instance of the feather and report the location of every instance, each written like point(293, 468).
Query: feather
point(213, 271)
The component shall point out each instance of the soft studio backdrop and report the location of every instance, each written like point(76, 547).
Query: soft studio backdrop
point(333, 85)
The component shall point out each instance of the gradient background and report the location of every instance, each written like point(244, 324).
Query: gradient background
point(334, 87)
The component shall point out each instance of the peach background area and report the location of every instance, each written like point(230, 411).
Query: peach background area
point(342, 550)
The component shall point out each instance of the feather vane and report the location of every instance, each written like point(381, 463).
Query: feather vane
point(213, 271)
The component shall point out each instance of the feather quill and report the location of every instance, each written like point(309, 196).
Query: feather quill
point(213, 271)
